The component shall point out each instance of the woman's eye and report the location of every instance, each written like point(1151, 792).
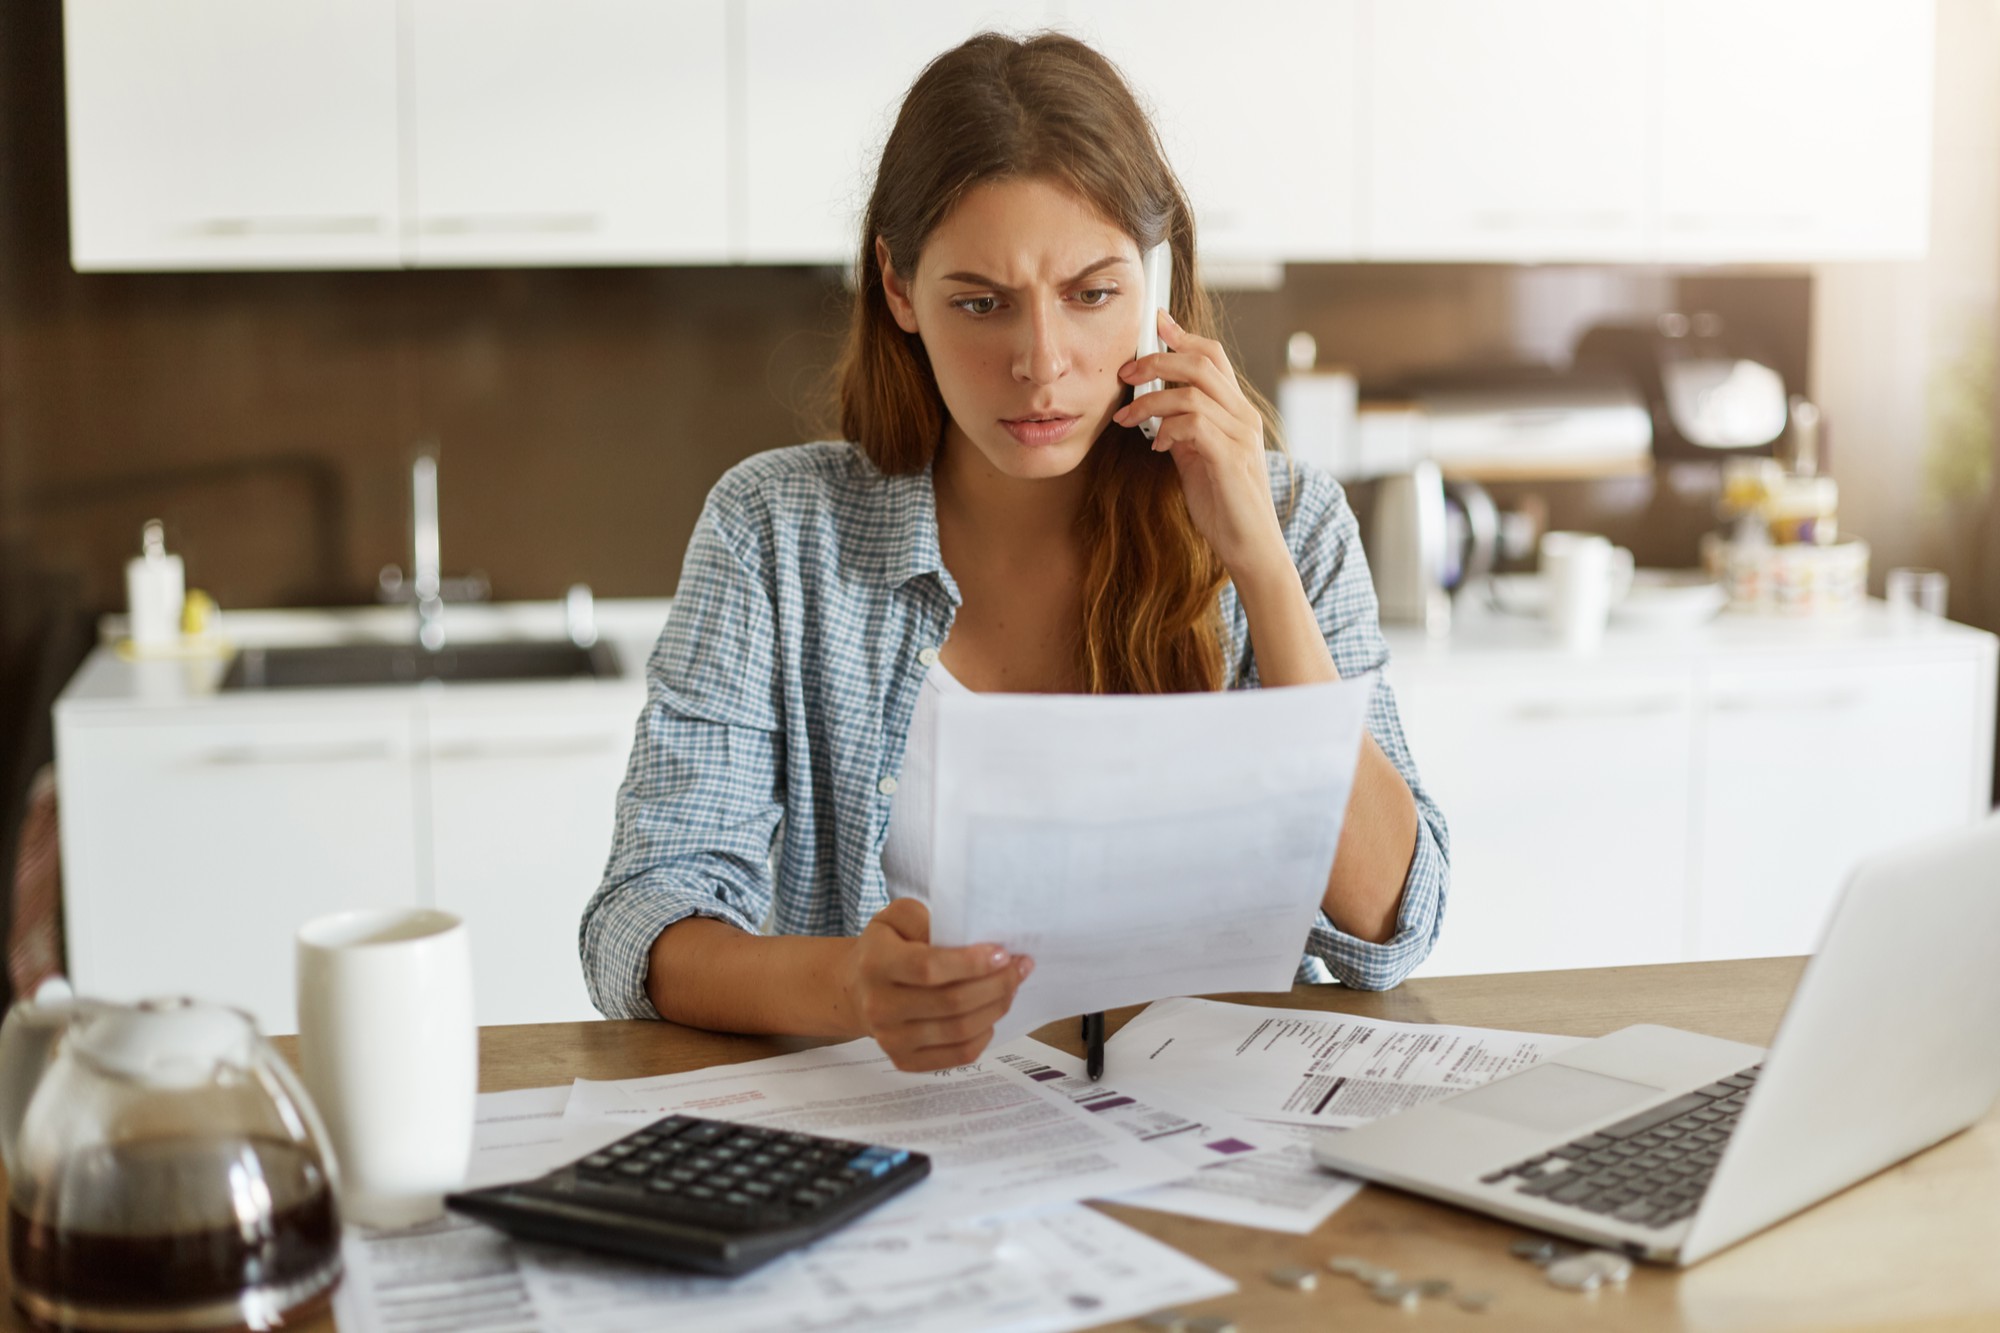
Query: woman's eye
point(1097, 295)
point(977, 305)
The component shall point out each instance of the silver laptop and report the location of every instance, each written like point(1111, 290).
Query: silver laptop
point(1670, 1146)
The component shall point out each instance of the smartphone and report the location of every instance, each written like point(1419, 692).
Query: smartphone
point(1158, 281)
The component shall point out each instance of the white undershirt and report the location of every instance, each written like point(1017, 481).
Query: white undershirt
point(906, 855)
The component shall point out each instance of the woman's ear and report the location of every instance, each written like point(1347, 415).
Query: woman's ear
point(895, 290)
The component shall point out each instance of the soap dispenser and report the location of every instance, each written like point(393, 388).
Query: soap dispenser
point(155, 589)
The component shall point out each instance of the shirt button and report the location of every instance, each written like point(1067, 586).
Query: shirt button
point(887, 786)
point(928, 657)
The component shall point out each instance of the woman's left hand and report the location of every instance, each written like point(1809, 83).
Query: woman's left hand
point(1216, 437)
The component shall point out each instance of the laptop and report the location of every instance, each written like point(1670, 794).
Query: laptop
point(1669, 1146)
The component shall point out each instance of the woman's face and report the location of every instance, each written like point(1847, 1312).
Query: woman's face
point(1028, 301)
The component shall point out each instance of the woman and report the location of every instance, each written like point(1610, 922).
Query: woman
point(995, 521)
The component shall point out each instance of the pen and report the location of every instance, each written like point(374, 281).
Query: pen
point(1093, 1045)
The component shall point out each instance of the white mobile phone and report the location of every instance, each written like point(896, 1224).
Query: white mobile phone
point(1158, 282)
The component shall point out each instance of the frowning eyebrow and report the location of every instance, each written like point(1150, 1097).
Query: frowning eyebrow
point(980, 280)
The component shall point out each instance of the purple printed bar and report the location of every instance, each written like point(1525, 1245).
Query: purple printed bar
point(1231, 1146)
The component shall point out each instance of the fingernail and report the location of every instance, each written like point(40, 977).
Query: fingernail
point(999, 957)
point(1119, 415)
point(1128, 368)
point(1024, 966)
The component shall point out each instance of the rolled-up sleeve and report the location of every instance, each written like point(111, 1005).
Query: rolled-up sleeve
point(703, 791)
point(1326, 545)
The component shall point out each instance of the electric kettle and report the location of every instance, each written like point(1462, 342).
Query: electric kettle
point(165, 1170)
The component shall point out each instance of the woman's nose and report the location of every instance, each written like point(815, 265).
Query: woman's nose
point(1043, 357)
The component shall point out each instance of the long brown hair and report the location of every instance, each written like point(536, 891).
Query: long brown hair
point(1047, 107)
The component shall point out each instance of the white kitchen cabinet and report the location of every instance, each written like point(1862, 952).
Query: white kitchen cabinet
point(1794, 129)
point(201, 829)
point(523, 796)
point(821, 85)
point(586, 132)
point(1683, 795)
point(196, 842)
point(1256, 113)
point(217, 134)
point(1567, 801)
point(1806, 771)
point(1509, 131)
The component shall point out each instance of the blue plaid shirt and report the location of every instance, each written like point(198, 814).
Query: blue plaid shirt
point(780, 695)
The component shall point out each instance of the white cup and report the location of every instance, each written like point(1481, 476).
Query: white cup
point(1582, 573)
point(390, 1051)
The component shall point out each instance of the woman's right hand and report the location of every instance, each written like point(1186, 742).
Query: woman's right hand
point(929, 1008)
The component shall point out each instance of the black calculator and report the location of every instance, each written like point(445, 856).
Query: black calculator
point(702, 1194)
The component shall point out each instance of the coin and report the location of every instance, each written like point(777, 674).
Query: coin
point(1349, 1264)
point(1615, 1267)
point(1294, 1276)
point(1167, 1321)
point(1540, 1253)
point(1396, 1293)
point(1474, 1302)
point(1212, 1323)
point(1432, 1287)
point(1575, 1273)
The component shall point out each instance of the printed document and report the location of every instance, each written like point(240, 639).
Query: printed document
point(1140, 846)
point(997, 1139)
point(1310, 1067)
point(1062, 1268)
point(1252, 1173)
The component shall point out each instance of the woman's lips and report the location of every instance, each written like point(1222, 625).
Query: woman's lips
point(1044, 430)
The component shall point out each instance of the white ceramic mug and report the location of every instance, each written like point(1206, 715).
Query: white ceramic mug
point(390, 1050)
point(1583, 574)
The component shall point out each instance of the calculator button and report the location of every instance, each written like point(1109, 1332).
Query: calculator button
point(634, 1168)
point(738, 1198)
point(758, 1188)
point(671, 1126)
point(642, 1139)
point(700, 1192)
point(619, 1149)
point(597, 1161)
point(662, 1185)
point(712, 1132)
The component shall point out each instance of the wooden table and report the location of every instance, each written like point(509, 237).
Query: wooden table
point(1917, 1246)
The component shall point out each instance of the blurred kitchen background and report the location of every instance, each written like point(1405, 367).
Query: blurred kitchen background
point(590, 253)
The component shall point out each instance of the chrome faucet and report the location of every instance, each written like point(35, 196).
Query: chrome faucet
point(427, 576)
point(426, 587)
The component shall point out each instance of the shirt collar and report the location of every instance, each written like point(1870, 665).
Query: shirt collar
point(911, 548)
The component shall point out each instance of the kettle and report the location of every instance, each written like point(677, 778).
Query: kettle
point(165, 1169)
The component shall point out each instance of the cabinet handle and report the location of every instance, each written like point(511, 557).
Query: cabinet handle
point(556, 748)
point(1569, 710)
point(1497, 220)
point(1827, 701)
point(330, 225)
point(337, 752)
point(511, 224)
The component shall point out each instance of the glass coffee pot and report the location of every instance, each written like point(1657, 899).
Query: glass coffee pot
point(165, 1170)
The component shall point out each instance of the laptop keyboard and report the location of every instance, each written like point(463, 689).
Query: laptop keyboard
point(1649, 1169)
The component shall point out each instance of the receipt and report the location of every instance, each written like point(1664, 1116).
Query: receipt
point(1140, 846)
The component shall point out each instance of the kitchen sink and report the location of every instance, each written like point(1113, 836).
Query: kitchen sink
point(333, 665)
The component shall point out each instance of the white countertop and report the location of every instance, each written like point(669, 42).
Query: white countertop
point(109, 681)
point(1505, 642)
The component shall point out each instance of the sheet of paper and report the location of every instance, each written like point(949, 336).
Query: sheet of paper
point(997, 1139)
point(1253, 1173)
point(1309, 1067)
point(1139, 846)
point(1062, 1268)
point(520, 1135)
point(1198, 1135)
